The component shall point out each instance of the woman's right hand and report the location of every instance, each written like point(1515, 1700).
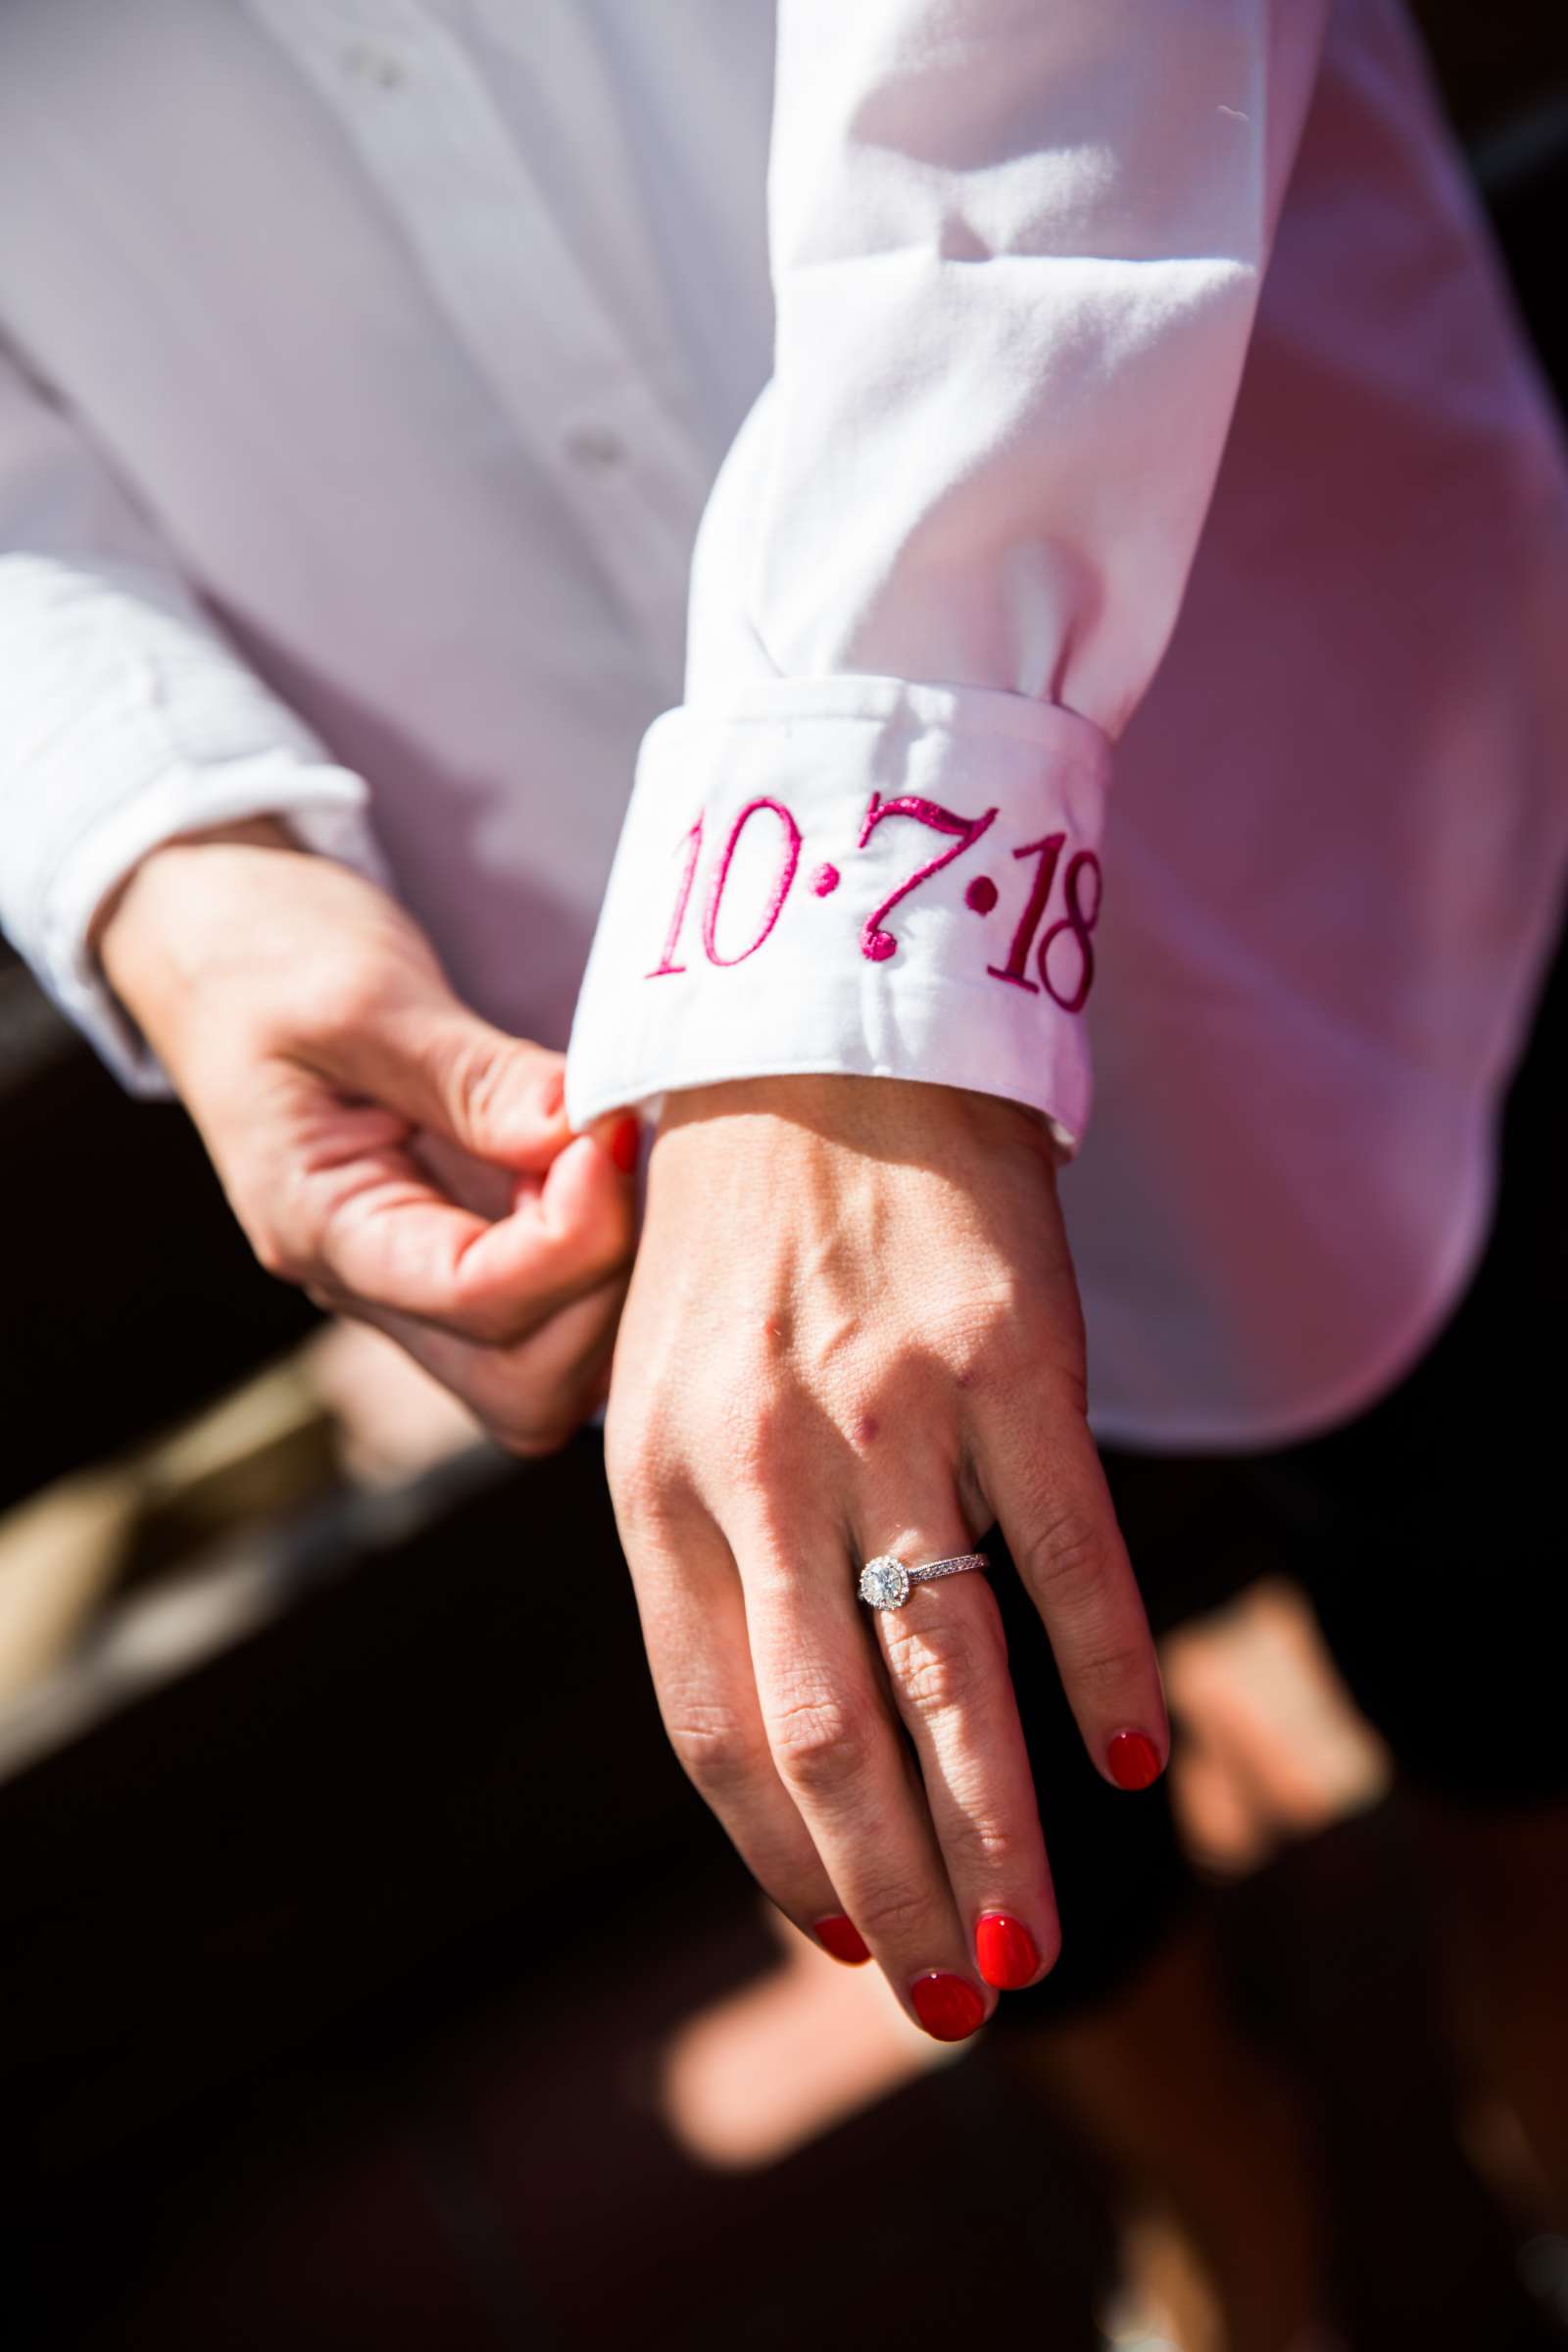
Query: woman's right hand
point(402, 1159)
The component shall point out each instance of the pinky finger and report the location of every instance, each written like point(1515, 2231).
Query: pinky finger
point(1061, 1526)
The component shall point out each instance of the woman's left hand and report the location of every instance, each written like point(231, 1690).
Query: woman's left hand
point(853, 1329)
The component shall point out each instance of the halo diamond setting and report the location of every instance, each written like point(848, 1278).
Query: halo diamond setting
point(885, 1583)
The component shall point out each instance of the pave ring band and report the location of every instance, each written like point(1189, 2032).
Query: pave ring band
point(886, 1582)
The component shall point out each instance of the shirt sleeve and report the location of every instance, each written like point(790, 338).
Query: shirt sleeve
point(1016, 255)
point(125, 717)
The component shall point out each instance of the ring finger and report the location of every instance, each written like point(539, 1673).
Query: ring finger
point(838, 1753)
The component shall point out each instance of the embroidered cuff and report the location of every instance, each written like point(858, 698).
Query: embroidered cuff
point(851, 873)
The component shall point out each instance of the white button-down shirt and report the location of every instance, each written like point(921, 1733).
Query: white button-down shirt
point(367, 369)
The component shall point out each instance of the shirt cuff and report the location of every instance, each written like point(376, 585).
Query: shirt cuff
point(323, 806)
point(852, 874)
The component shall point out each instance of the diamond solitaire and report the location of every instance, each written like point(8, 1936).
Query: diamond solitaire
point(885, 1582)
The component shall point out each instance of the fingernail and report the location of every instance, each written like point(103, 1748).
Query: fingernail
point(1005, 1952)
point(1134, 1761)
point(949, 2008)
point(843, 1939)
point(553, 1094)
point(624, 1144)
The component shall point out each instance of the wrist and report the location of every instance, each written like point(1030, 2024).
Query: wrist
point(888, 1117)
point(145, 934)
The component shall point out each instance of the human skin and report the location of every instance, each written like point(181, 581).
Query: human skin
point(853, 1328)
point(403, 1160)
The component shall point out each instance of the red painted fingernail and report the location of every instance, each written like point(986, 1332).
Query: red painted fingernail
point(1005, 1952)
point(1134, 1761)
point(843, 1939)
point(624, 1144)
point(949, 2008)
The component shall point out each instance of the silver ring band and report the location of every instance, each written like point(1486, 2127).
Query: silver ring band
point(885, 1583)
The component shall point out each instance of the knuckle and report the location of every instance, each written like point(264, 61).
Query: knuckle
point(979, 1338)
point(717, 1748)
point(894, 1914)
point(284, 1247)
point(646, 1482)
point(950, 1665)
point(817, 1741)
point(986, 1845)
point(634, 1494)
point(297, 1221)
point(475, 1074)
point(631, 1452)
point(274, 1257)
point(1065, 1559)
point(1102, 1671)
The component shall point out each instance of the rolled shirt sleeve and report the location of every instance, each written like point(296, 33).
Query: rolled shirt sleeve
point(1016, 255)
point(125, 719)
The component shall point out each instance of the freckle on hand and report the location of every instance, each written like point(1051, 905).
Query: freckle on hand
point(866, 1429)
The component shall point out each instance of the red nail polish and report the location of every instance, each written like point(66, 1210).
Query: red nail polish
point(1134, 1761)
point(624, 1144)
point(1005, 1952)
point(949, 2008)
point(843, 1939)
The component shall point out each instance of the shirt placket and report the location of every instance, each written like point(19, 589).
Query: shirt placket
point(428, 134)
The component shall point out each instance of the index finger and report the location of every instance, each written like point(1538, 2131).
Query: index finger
point(383, 1234)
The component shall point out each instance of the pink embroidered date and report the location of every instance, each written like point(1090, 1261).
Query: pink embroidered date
point(1031, 949)
point(776, 896)
point(876, 941)
point(692, 843)
point(1015, 970)
point(1079, 924)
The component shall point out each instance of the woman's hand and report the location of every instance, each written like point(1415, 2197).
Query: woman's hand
point(853, 1329)
point(400, 1160)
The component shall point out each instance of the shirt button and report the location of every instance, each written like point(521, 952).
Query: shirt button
point(595, 448)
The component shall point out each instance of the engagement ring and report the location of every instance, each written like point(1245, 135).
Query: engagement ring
point(885, 1582)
